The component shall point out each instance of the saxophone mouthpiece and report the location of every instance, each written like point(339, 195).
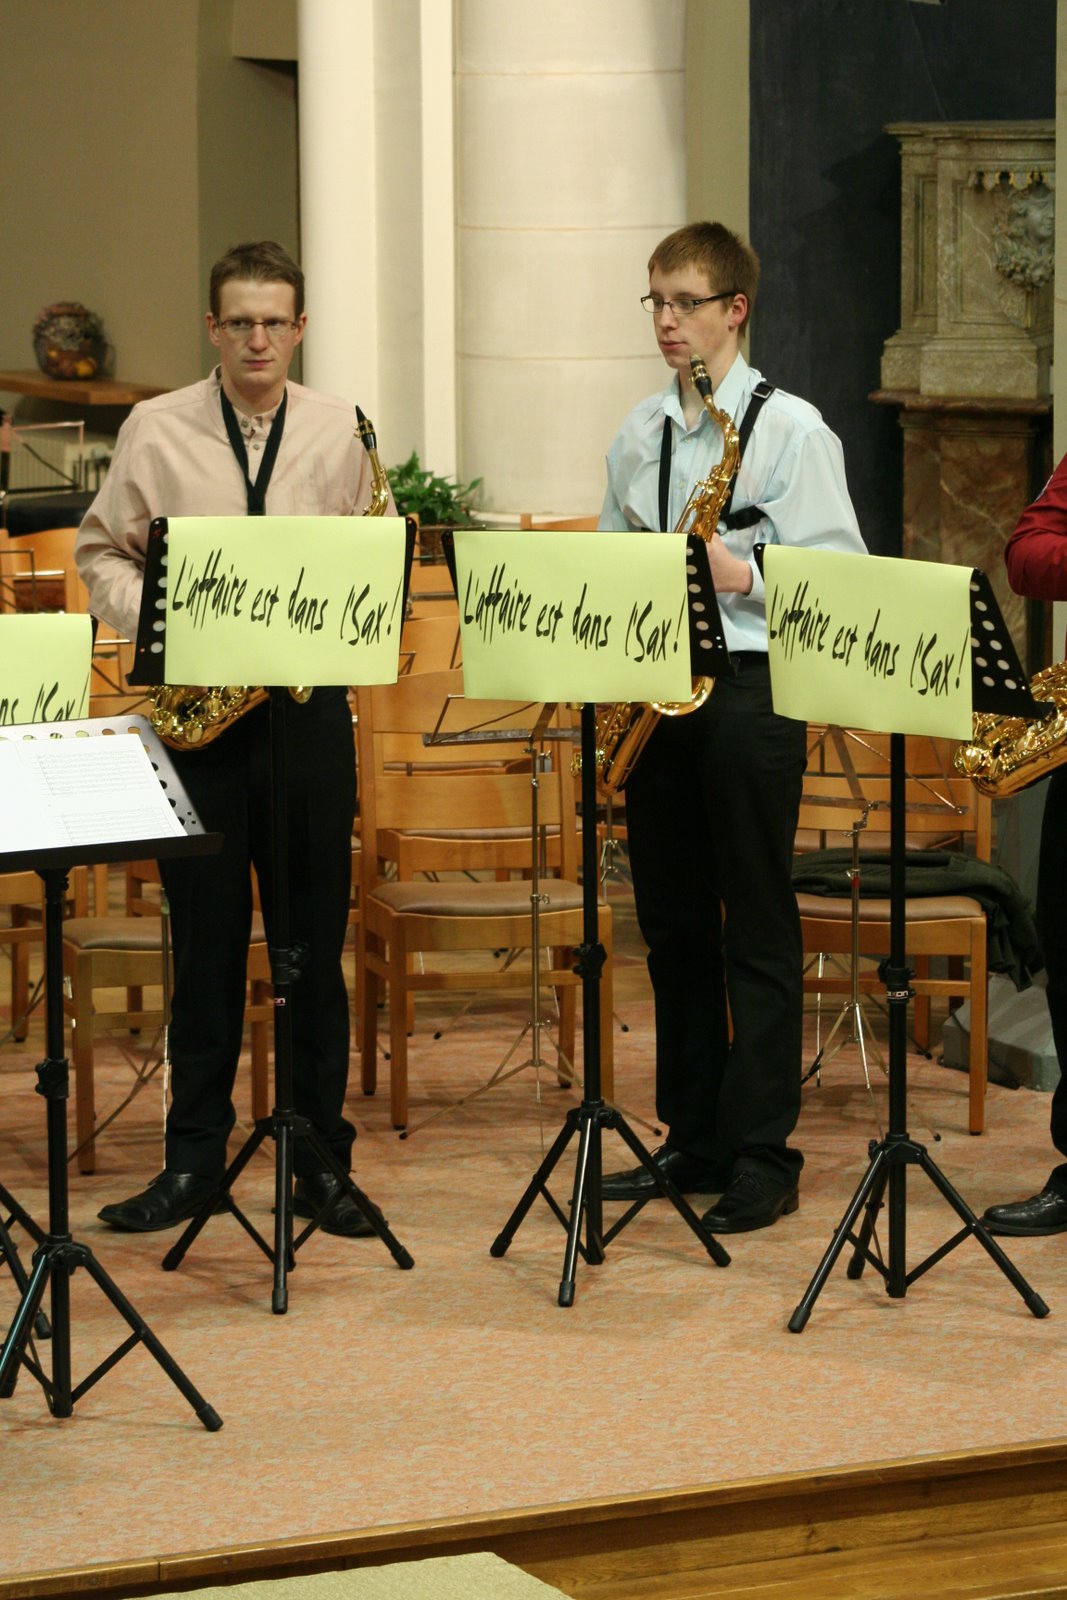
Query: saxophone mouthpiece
point(701, 381)
point(365, 429)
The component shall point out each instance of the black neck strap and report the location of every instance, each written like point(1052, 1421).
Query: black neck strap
point(256, 492)
point(736, 519)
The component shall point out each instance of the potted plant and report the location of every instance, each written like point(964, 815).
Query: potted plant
point(438, 503)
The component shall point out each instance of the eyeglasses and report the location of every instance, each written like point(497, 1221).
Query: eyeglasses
point(276, 328)
point(683, 305)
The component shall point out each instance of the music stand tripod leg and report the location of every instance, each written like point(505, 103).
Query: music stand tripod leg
point(9, 1252)
point(284, 1124)
point(59, 1256)
point(593, 1115)
point(891, 1156)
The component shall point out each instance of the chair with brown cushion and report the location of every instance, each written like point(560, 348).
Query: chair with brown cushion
point(456, 819)
point(848, 779)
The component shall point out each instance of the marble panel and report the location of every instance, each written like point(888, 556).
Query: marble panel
point(976, 216)
point(966, 479)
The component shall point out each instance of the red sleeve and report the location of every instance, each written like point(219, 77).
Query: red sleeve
point(1036, 553)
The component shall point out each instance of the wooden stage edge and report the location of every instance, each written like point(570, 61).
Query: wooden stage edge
point(976, 1524)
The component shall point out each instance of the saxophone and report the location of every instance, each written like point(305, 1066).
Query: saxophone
point(1007, 754)
point(187, 717)
point(623, 730)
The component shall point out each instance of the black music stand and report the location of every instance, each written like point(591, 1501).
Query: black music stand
point(588, 1121)
point(58, 1255)
point(9, 1253)
point(285, 1124)
point(998, 684)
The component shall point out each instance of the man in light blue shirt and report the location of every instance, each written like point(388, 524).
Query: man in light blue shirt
point(712, 804)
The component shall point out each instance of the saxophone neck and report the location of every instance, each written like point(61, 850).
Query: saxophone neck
point(709, 496)
point(379, 500)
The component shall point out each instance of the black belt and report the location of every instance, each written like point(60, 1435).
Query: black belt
point(748, 658)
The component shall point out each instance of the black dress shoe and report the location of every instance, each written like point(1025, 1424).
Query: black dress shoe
point(321, 1195)
point(170, 1198)
point(1042, 1213)
point(751, 1201)
point(687, 1175)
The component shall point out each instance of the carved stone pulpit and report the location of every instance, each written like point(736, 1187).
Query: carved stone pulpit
point(969, 368)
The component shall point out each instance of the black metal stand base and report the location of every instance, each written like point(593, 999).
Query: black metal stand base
point(283, 1128)
point(287, 961)
point(590, 1119)
point(9, 1251)
point(890, 1159)
point(55, 1263)
point(588, 1122)
point(58, 1256)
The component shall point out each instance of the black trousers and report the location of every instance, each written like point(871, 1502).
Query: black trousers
point(1052, 932)
point(211, 911)
point(711, 812)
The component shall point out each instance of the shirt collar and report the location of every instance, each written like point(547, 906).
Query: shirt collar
point(249, 426)
point(728, 396)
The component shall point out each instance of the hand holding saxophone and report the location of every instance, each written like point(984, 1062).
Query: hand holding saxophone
point(729, 573)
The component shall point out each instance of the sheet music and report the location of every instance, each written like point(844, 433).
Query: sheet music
point(80, 791)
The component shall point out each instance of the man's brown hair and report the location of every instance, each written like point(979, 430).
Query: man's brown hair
point(262, 262)
point(728, 261)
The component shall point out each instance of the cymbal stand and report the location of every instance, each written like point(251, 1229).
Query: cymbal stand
point(851, 1013)
point(539, 763)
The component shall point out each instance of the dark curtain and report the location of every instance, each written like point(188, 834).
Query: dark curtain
point(826, 76)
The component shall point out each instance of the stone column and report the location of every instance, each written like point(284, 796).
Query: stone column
point(338, 196)
point(571, 167)
point(969, 368)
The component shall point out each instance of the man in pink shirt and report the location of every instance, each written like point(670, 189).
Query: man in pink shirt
point(245, 440)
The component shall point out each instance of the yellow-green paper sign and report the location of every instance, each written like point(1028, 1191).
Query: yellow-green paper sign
point(869, 641)
point(277, 600)
point(44, 668)
point(573, 616)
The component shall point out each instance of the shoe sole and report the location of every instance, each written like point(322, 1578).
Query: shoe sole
point(752, 1227)
point(156, 1227)
point(1010, 1232)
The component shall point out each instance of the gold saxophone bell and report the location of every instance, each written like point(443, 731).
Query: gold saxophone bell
point(188, 717)
point(623, 730)
point(1007, 754)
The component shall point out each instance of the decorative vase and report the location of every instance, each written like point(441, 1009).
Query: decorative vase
point(69, 341)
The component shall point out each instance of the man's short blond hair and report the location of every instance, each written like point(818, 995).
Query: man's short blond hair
point(728, 261)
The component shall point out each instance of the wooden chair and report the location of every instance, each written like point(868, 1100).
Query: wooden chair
point(103, 953)
point(38, 573)
point(847, 780)
point(561, 524)
point(22, 896)
point(432, 643)
point(451, 819)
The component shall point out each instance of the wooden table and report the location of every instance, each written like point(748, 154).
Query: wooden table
point(77, 391)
